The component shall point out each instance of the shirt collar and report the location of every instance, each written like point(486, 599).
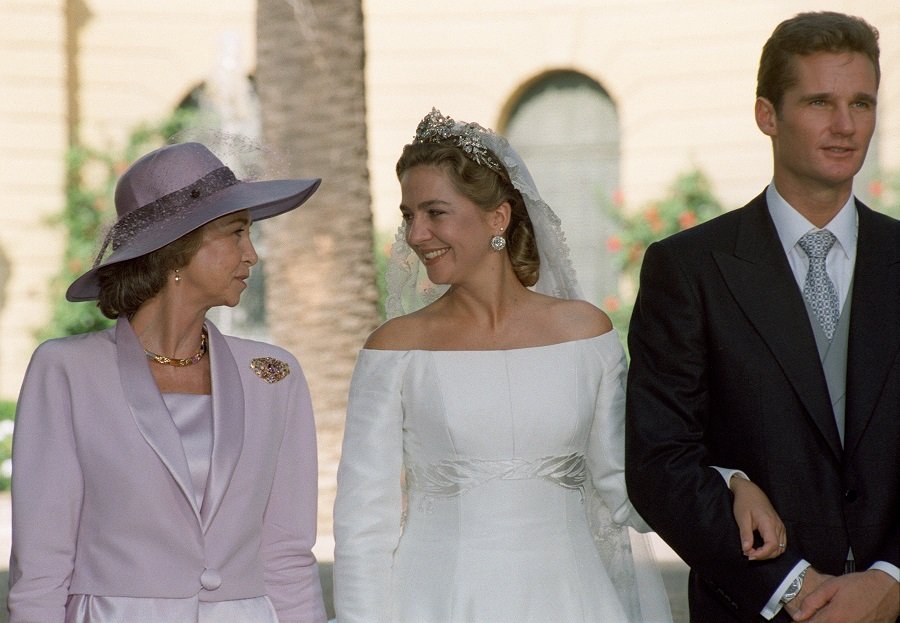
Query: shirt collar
point(791, 225)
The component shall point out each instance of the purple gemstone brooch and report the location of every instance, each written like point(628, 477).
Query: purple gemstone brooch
point(269, 369)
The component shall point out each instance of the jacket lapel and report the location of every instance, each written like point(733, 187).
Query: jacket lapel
point(149, 411)
point(228, 423)
point(760, 279)
point(874, 333)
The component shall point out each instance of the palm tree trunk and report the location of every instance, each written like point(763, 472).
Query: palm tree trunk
point(321, 293)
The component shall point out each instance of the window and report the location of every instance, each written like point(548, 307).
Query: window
point(566, 128)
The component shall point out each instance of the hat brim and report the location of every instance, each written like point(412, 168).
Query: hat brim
point(264, 199)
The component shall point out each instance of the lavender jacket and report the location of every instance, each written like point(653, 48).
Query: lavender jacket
point(102, 496)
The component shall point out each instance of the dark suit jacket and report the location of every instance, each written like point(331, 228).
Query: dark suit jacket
point(725, 371)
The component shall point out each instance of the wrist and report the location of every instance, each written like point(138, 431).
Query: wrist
point(794, 588)
point(736, 479)
point(811, 582)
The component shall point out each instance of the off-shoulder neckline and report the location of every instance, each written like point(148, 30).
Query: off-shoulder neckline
point(602, 336)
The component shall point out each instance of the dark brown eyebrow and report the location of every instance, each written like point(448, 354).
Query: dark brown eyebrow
point(861, 96)
point(427, 204)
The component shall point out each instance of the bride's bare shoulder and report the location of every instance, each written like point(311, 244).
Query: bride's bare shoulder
point(400, 333)
point(388, 336)
point(579, 319)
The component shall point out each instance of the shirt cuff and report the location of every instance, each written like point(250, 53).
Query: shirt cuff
point(774, 604)
point(888, 568)
point(727, 473)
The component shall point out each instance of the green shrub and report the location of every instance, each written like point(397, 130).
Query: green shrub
point(885, 192)
point(91, 176)
point(7, 409)
point(7, 413)
point(689, 201)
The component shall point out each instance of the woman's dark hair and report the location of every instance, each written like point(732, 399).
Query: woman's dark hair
point(125, 286)
point(487, 190)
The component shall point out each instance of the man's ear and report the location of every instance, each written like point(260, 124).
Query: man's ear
point(766, 117)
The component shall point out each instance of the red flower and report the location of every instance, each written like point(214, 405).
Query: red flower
point(618, 198)
point(687, 219)
point(613, 244)
point(634, 253)
point(611, 303)
point(651, 215)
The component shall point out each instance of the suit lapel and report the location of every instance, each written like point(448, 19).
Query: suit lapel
point(149, 410)
point(874, 334)
point(228, 423)
point(155, 424)
point(760, 279)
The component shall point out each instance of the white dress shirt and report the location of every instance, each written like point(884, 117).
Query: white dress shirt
point(791, 226)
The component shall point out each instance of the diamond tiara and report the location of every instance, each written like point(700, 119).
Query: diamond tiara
point(437, 128)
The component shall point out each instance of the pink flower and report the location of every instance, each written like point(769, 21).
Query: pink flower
point(613, 244)
point(634, 253)
point(651, 215)
point(687, 219)
point(611, 303)
point(876, 188)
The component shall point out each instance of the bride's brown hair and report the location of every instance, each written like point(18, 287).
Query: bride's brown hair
point(487, 190)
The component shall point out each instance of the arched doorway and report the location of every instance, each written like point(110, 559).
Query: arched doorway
point(566, 128)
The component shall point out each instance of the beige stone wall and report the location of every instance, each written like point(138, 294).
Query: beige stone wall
point(134, 62)
point(681, 73)
point(32, 140)
point(138, 60)
point(888, 22)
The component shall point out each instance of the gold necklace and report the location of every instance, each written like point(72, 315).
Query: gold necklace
point(180, 363)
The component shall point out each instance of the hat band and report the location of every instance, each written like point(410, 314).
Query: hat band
point(165, 209)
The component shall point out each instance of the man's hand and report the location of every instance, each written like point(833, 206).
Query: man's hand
point(753, 511)
point(811, 582)
point(868, 597)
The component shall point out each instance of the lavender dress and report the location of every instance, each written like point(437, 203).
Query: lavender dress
point(192, 414)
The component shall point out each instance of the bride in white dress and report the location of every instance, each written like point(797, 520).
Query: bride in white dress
point(481, 478)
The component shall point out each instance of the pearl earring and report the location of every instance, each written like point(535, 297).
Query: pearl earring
point(177, 276)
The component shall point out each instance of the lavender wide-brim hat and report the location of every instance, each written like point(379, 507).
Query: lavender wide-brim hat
point(172, 191)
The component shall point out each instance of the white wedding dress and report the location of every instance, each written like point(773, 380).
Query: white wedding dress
point(503, 454)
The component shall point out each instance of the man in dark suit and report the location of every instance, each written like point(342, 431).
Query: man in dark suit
point(767, 342)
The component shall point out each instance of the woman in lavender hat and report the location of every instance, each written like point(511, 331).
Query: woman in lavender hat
point(162, 470)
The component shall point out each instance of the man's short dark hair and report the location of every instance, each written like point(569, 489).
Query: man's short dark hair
point(808, 33)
